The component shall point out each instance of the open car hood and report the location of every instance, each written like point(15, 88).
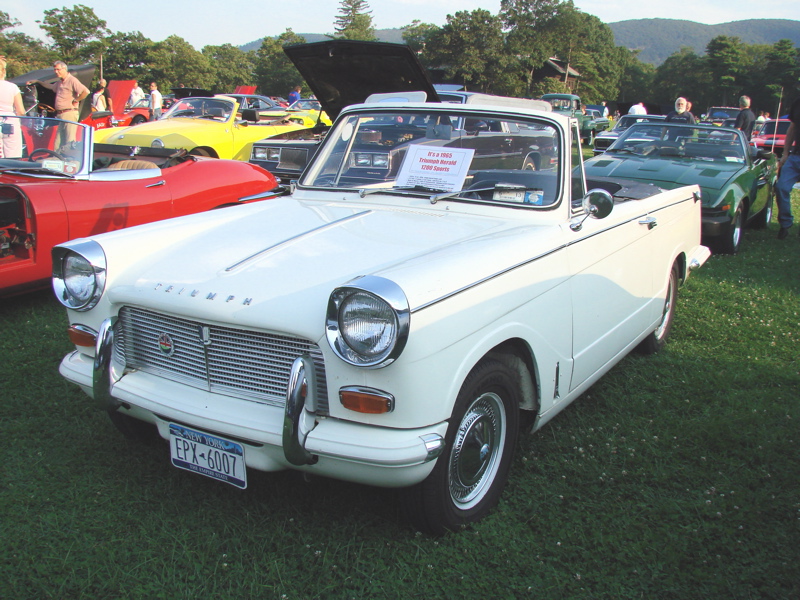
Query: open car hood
point(345, 72)
point(120, 91)
point(84, 74)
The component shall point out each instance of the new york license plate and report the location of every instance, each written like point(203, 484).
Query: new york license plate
point(207, 455)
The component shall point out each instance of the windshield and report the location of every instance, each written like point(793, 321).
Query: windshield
point(716, 112)
point(628, 120)
point(46, 144)
point(215, 109)
point(663, 140)
point(429, 151)
point(769, 127)
point(305, 104)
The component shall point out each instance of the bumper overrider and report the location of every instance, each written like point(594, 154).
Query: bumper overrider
point(275, 438)
point(716, 222)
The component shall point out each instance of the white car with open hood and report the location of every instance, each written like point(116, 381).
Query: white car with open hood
point(440, 277)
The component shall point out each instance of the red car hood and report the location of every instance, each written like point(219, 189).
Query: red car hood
point(120, 91)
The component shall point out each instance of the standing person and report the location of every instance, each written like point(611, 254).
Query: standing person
point(294, 95)
point(10, 106)
point(681, 113)
point(69, 92)
point(100, 99)
point(605, 109)
point(745, 119)
point(156, 102)
point(137, 94)
point(637, 109)
point(788, 171)
point(760, 118)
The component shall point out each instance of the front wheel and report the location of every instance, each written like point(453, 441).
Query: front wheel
point(730, 242)
point(658, 338)
point(471, 473)
point(138, 120)
point(765, 216)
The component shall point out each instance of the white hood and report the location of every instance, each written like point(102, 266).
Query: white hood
point(279, 260)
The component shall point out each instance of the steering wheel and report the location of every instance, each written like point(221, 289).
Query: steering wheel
point(46, 107)
point(46, 152)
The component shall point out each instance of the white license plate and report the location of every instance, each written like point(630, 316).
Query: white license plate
point(207, 455)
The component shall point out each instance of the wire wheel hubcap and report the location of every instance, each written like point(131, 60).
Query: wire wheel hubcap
point(477, 450)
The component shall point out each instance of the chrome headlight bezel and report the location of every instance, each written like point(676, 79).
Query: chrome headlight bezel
point(389, 315)
point(79, 258)
point(157, 143)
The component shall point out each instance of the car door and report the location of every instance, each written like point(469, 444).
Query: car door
point(611, 279)
point(94, 207)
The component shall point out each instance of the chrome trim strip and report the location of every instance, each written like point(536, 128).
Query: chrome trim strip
point(297, 237)
point(535, 258)
point(273, 193)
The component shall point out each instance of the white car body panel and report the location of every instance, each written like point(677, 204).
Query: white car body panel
point(476, 275)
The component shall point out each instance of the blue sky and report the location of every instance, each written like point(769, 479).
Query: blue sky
point(237, 22)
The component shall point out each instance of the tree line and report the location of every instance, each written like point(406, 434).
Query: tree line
point(496, 54)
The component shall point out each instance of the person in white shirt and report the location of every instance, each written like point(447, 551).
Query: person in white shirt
point(156, 102)
point(637, 109)
point(136, 94)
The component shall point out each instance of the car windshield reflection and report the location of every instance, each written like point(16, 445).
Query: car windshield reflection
point(437, 153)
point(662, 140)
point(42, 146)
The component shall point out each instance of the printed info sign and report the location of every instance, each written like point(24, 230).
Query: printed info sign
point(435, 167)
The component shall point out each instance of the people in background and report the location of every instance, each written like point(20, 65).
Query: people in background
point(137, 94)
point(745, 119)
point(69, 92)
point(156, 102)
point(100, 99)
point(294, 95)
point(10, 106)
point(788, 171)
point(681, 113)
point(637, 109)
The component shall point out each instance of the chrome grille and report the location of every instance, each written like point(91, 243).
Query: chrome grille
point(235, 362)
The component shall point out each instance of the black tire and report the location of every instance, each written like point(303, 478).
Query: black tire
point(472, 471)
point(765, 216)
point(590, 138)
point(658, 338)
point(131, 428)
point(203, 152)
point(137, 120)
point(732, 241)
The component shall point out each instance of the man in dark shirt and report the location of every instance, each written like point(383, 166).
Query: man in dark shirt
point(788, 171)
point(681, 113)
point(746, 118)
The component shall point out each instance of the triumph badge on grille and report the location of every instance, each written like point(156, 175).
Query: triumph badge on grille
point(166, 345)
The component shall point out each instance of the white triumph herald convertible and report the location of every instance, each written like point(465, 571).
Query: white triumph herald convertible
point(441, 277)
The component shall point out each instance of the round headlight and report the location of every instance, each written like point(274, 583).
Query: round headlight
point(368, 322)
point(79, 274)
point(157, 143)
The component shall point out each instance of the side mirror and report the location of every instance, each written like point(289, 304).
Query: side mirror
point(598, 204)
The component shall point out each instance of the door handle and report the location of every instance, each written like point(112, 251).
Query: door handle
point(157, 184)
point(649, 221)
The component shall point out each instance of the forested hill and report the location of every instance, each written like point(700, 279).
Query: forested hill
point(658, 38)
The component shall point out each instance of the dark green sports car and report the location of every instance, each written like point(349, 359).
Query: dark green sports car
point(735, 178)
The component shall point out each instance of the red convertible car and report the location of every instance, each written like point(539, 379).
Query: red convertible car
point(56, 185)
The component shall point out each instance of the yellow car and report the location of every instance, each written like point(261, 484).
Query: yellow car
point(205, 126)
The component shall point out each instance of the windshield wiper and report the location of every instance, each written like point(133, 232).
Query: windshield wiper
point(412, 188)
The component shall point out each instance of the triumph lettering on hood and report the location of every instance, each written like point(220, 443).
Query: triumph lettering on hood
point(194, 293)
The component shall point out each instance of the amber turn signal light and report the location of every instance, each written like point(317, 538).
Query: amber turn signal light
point(82, 336)
point(365, 400)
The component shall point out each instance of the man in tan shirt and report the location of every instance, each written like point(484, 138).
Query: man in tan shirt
point(69, 93)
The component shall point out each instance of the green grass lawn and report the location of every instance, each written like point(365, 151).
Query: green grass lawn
point(676, 476)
